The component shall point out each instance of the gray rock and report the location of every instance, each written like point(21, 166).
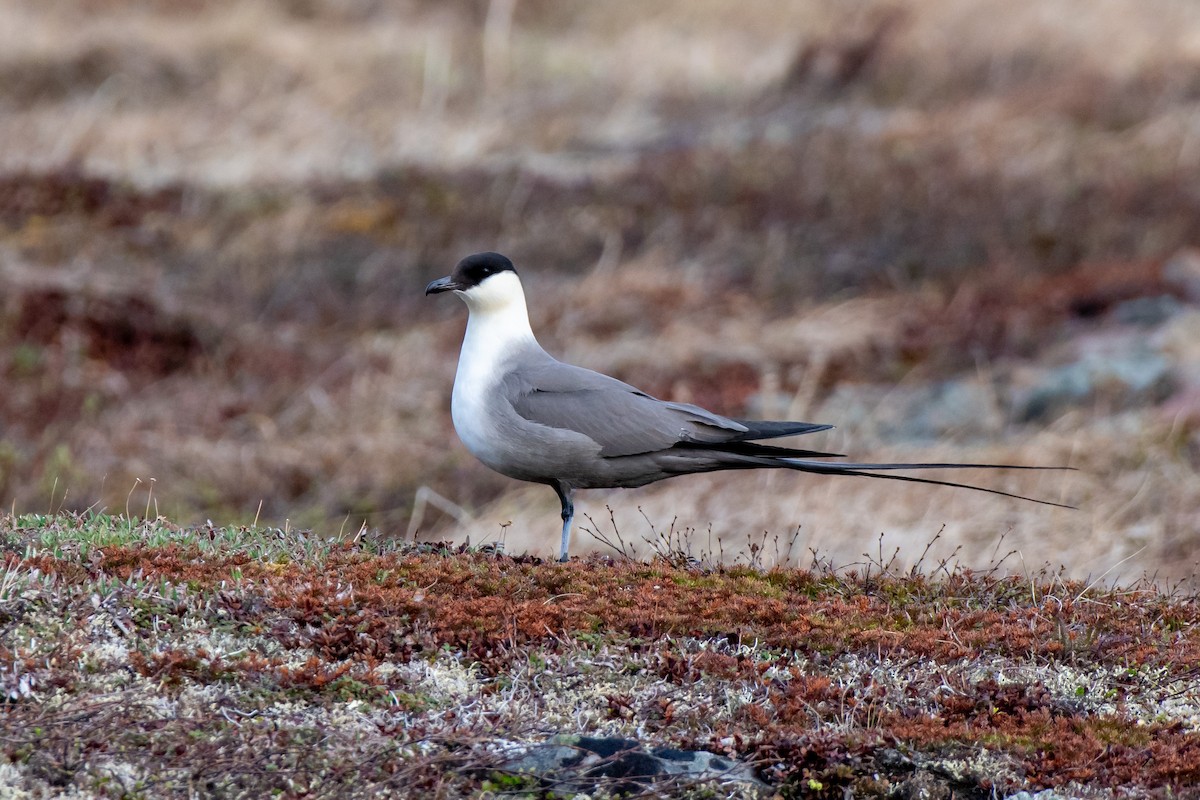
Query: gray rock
point(960, 407)
point(1121, 377)
point(581, 764)
point(1181, 272)
point(924, 785)
point(1147, 312)
point(947, 408)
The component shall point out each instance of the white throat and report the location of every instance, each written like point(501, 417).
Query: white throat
point(497, 328)
point(498, 321)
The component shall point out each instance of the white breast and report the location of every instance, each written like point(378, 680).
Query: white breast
point(497, 328)
point(475, 387)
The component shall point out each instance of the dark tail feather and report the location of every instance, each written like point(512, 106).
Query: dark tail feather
point(841, 465)
point(771, 429)
point(866, 471)
point(756, 450)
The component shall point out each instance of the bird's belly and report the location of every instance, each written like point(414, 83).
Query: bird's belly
point(496, 435)
point(473, 423)
point(492, 436)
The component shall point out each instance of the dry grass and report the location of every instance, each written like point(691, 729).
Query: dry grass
point(438, 85)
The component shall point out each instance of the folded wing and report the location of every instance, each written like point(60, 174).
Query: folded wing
point(624, 420)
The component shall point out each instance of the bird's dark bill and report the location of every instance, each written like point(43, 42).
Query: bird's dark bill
point(446, 284)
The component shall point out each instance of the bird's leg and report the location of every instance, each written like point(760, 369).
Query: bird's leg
point(568, 514)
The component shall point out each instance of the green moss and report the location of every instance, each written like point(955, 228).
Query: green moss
point(26, 360)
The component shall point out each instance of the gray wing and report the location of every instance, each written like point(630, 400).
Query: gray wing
point(620, 418)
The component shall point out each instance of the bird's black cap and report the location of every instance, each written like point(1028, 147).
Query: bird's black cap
point(471, 271)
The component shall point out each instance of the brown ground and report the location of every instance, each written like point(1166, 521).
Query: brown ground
point(147, 659)
point(216, 221)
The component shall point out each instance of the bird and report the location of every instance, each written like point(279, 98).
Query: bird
point(529, 416)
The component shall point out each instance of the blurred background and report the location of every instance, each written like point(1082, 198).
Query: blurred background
point(956, 231)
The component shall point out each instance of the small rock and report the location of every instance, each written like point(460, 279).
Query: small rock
point(1179, 340)
point(947, 408)
point(893, 759)
point(1181, 272)
point(1148, 312)
point(962, 407)
point(924, 785)
point(1122, 376)
point(580, 764)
